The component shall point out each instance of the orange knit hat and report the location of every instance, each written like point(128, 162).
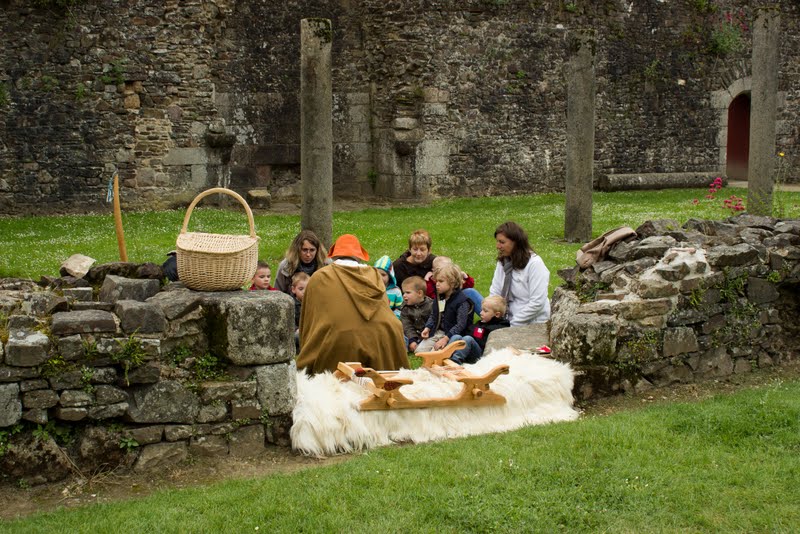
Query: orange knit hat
point(348, 246)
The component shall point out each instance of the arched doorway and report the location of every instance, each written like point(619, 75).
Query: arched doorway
point(738, 151)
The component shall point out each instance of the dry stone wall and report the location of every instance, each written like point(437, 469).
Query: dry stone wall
point(448, 97)
point(126, 372)
point(680, 304)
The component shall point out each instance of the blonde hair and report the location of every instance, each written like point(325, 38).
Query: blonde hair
point(496, 303)
point(440, 261)
point(298, 277)
point(414, 283)
point(418, 238)
point(451, 274)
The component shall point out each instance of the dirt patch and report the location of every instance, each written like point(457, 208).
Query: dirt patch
point(120, 486)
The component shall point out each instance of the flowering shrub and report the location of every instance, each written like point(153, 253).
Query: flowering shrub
point(733, 203)
point(728, 35)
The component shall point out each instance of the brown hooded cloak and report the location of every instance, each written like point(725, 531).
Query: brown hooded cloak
point(345, 318)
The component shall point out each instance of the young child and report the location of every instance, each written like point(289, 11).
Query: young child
point(492, 318)
point(438, 263)
point(451, 315)
point(415, 311)
point(298, 288)
point(417, 260)
point(393, 293)
point(261, 280)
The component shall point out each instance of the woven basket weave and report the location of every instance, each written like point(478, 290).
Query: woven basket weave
point(216, 262)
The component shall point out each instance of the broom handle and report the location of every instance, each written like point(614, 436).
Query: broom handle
point(123, 253)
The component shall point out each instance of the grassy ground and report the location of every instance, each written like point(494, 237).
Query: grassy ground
point(460, 228)
point(724, 464)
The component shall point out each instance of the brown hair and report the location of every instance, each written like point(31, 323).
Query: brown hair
point(414, 283)
point(293, 252)
point(262, 265)
point(522, 251)
point(419, 237)
point(298, 277)
point(495, 303)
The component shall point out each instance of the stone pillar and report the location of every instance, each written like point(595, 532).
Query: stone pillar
point(580, 82)
point(763, 109)
point(316, 128)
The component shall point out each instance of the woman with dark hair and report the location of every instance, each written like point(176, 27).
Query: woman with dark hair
point(305, 254)
point(520, 276)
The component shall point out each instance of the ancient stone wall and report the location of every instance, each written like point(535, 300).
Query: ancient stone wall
point(112, 370)
point(682, 304)
point(447, 97)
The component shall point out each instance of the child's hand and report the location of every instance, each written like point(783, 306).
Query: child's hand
point(428, 275)
point(442, 343)
point(425, 333)
point(412, 346)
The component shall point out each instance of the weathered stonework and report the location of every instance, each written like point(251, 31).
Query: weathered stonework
point(713, 304)
point(454, 97)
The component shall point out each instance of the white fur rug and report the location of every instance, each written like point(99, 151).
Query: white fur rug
point(327, 420)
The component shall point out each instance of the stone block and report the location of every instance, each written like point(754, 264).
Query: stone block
point(652, 247)
point(31, 385)
point(104, 375)
point(526, 337)
point(146, 435)
point(15, 374)
point(75, 397)
point(108, 411)
point(140, 317)
point(731, 256)
point(10, 405)
point(213, 413)
point(71, 414)
point(760, 291)
point(80, 294)
point(586, 339)
point(161, 455)
point(714, 363)
point(247, 441)
point(71, 347)
point(67, 380)
point(245, 410)
point(252, 327)
point(657, 227)
point(146, 374)
point(178, 432)
point(186, 156)
point(259, 199)
point(27, 351)
point(655, 289)
point(83, 322)
point(117, 288)
point(208, 446)
point(227, 391)
point(277, 387)
point(679, 340)
point(638, 309)
point(105, 394)
point(42, 398)
point(166, 401)
point(43, 303)
point(36, 415)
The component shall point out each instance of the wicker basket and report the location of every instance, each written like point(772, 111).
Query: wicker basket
point(217, 262)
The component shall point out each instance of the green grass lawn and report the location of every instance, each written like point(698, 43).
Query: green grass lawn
point(460, 228)
point(727, 464)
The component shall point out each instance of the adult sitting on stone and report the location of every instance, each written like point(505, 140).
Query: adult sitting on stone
point(306, 254)
point(520, 277)
point(345, 317)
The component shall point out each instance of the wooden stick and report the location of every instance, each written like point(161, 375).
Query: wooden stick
point(123, 253)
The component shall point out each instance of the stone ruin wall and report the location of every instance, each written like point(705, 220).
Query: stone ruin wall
point(431, 99)
point(114, 370)
point(680, 304)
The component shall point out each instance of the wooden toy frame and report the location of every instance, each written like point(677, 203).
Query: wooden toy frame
point(384, 386)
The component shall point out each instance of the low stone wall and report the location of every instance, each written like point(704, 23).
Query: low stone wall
point(126, 372)
point(681, 304)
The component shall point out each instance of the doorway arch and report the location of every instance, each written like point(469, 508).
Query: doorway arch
point(738, 148)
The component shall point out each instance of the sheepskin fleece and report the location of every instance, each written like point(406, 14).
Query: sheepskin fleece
point(327, 420)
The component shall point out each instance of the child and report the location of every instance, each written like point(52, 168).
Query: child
point(393, 293)
point(262, 277)
point(415, 311)
point(492, 318)
point(417, 260)
point(452, 314)
point(438, 263)
point(298, 288)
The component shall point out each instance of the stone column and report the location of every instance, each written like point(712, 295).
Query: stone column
point(763, 109)
point(316, 128)
point(580, 82)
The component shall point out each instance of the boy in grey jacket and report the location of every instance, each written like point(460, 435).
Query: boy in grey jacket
point(416, 310)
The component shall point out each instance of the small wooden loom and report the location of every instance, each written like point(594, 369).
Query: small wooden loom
point(384, 386)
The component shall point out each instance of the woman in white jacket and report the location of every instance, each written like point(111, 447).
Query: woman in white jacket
point(520, 276)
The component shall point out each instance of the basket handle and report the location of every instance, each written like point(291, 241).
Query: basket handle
point(211, 191)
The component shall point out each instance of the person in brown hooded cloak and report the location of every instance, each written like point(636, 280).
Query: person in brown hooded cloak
point(345, 318)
